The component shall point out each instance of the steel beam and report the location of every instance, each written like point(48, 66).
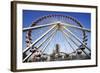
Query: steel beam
point(70, 38)
point(76, 37)
point(74, 42)
point(81, 28)
point(40, 44)
point(26, 49)
point(27, 57)
point(38, 26)
point(47, 38)
point(68, 41)
point(48, 43)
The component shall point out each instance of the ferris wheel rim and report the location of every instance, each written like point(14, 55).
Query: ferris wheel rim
point(54, 15)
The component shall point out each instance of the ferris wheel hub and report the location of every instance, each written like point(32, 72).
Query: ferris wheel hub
point(59, 24)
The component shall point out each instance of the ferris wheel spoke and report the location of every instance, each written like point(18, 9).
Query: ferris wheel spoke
point(26, 58)
point(37, 27)
point(76, 37)
point(86, 54)
point(69, 38)
point(75, 43)
point(47, 38)
point(41, 44)
point(48, 42)
point(68, 42)
point(26, 49)
point(81, 28)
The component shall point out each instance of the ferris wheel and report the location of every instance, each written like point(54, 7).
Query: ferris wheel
point(47, 31)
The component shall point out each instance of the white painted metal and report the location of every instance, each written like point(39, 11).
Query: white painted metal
point(41, 44)
point(48, 43)
point(27, 57)
point(81, 28)
point(51, 36)
point(68, 41)
point(38, 26)
point(75, 43)
point(39, 38)
point(76, 37)
point(47, 38)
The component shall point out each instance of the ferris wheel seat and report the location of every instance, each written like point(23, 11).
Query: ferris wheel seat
point(79, 52)
point(82, 48)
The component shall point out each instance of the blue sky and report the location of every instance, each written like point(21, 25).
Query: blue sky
point(30, 16)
